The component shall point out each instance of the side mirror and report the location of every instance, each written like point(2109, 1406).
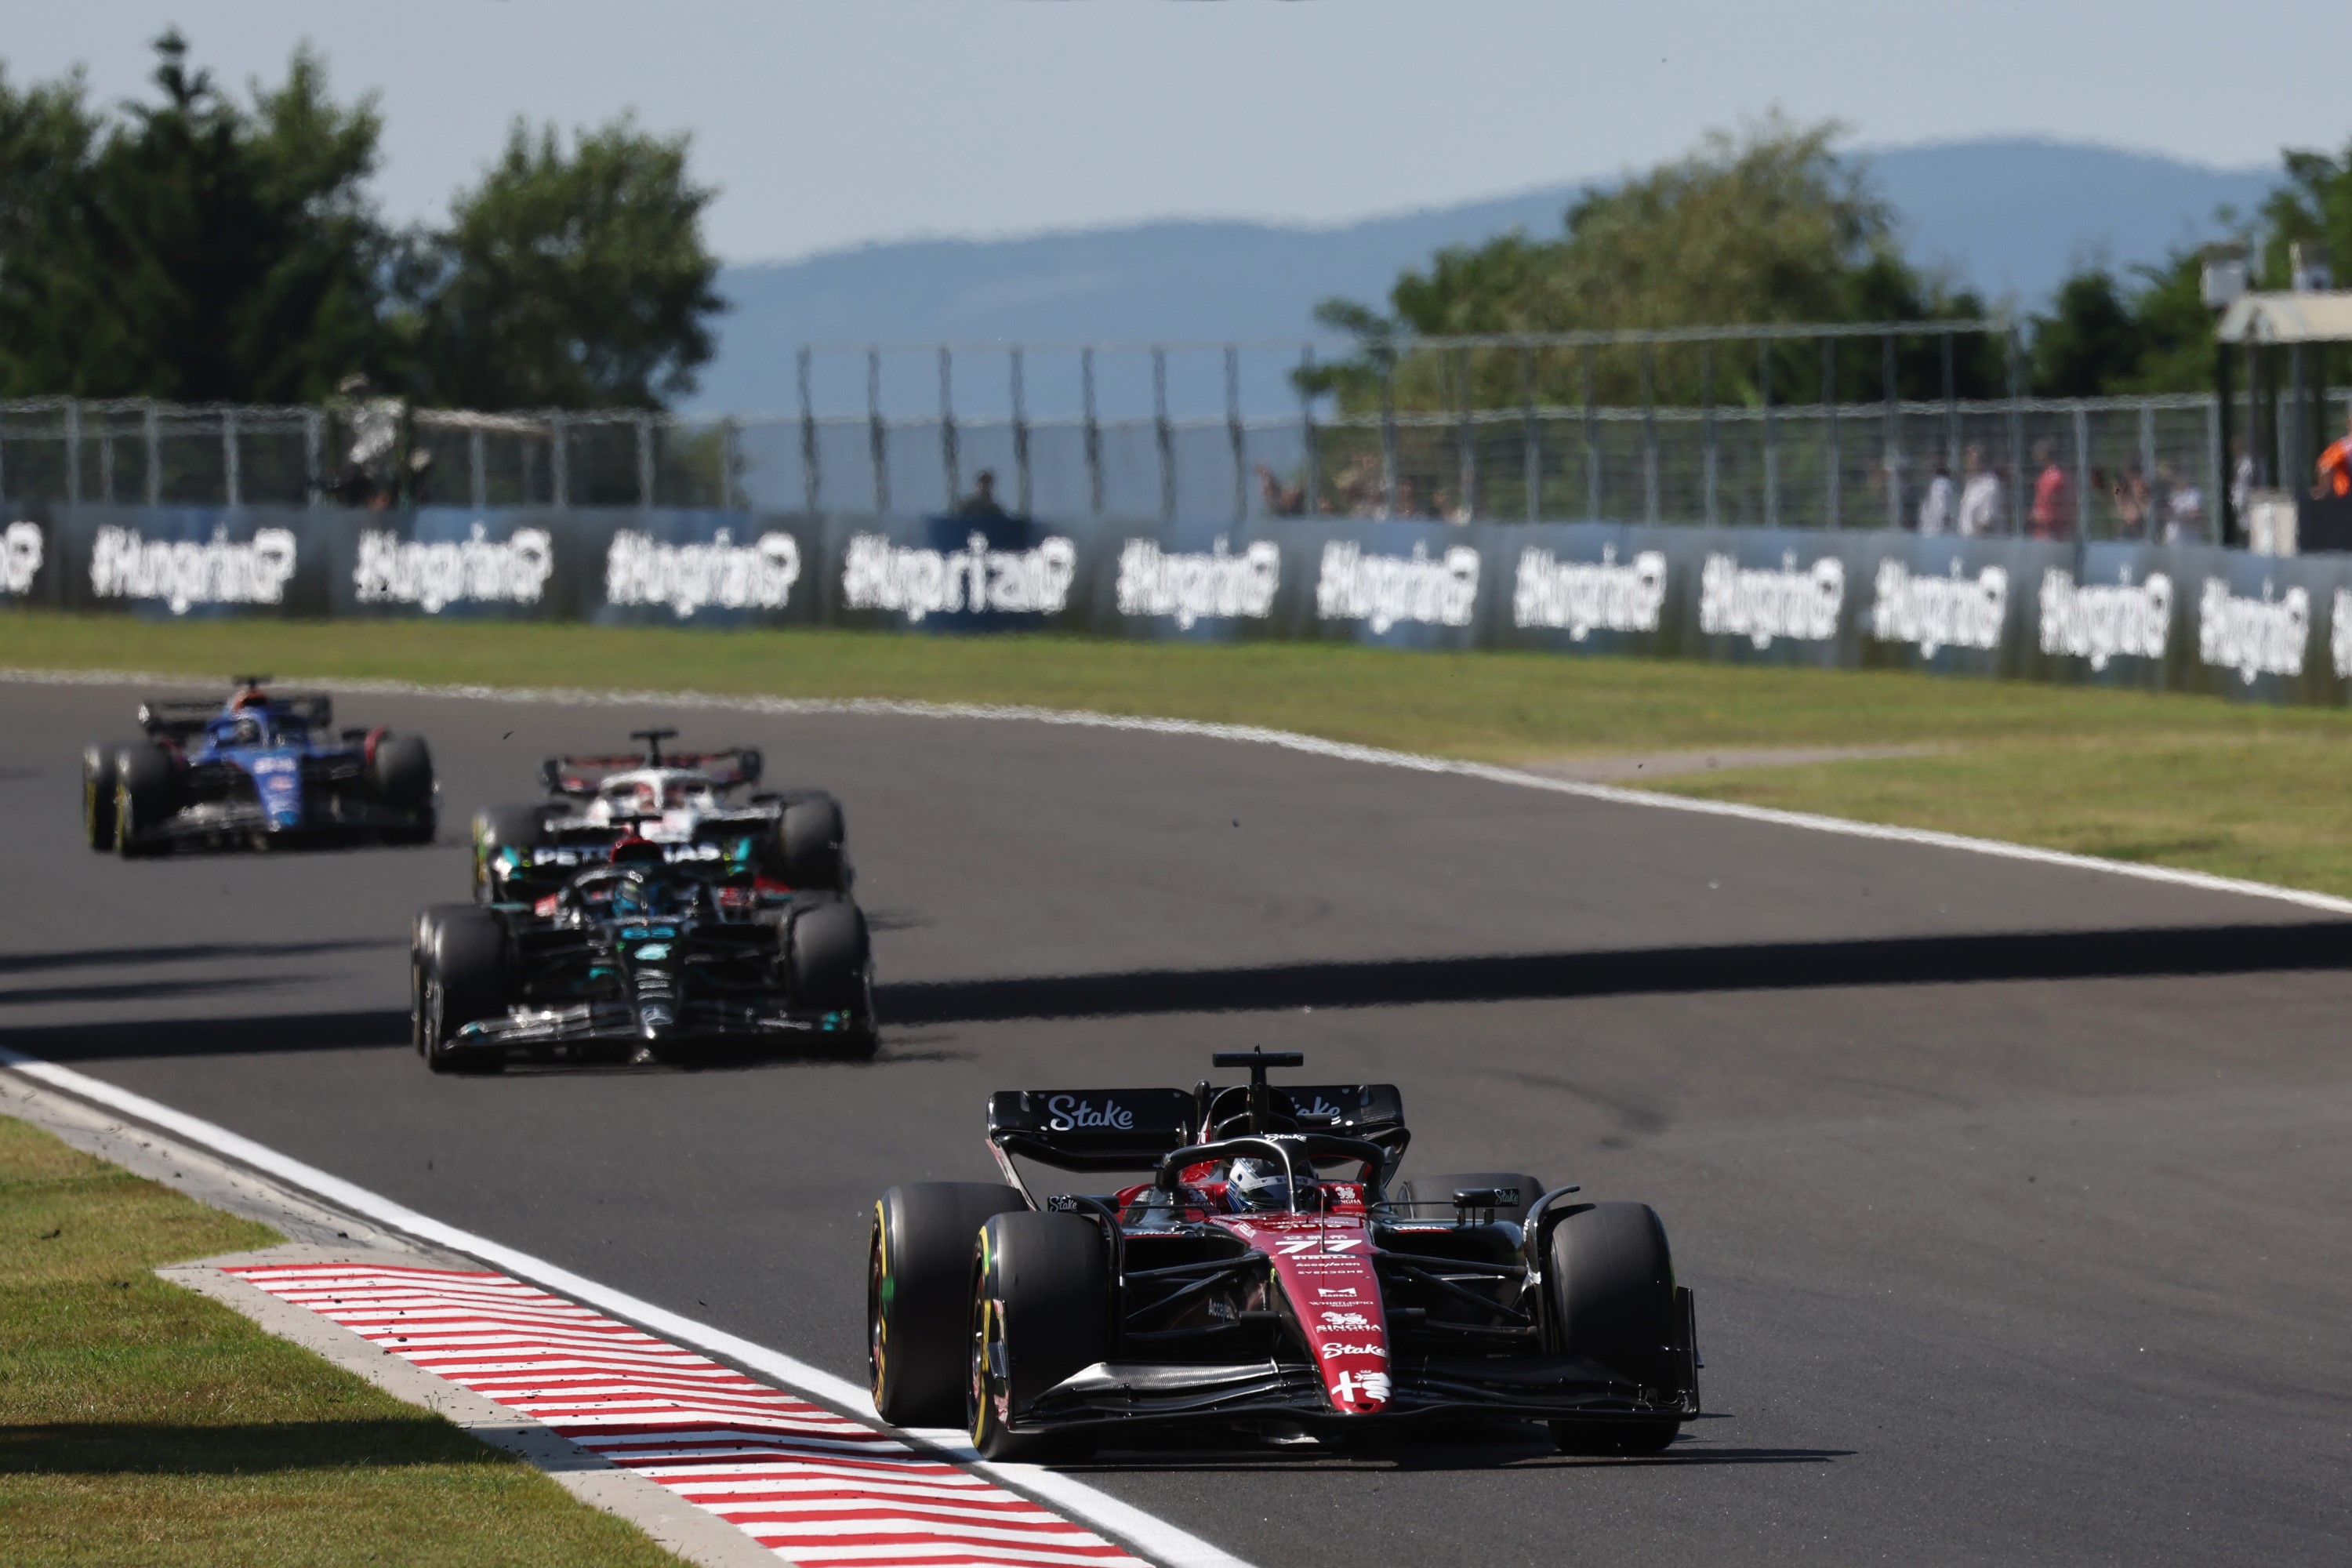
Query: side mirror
point(550, 775)
point(749, 764)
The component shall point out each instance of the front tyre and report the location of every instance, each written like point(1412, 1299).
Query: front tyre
point(829, 968)
point(144, 798)
point(400, 778)
point(98, 780)
point(918, 1287)
point(1613, 1301)
point(458, 976)
point(1040, 1311)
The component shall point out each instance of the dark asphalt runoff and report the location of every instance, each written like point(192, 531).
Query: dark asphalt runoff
point(2015, 1197)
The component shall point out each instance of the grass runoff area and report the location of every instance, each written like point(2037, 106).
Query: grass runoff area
point(140, 1423)
point(2241, 790)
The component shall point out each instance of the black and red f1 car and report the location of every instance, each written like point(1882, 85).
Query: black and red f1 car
point(1268, 1274)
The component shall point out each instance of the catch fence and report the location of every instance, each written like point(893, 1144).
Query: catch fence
point(2145, 467)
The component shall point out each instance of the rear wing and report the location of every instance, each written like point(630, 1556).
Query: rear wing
point(180, 717)
point(1134, 1129)
point(585, 775)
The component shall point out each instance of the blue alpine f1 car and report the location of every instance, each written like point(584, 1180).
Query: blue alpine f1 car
point(259, 769)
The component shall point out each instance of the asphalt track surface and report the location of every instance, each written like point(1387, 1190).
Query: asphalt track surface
point(2013, 1195)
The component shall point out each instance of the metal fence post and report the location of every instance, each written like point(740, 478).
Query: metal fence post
point(646, 460)
point(1093, 429)
point(1021, 478)
point(1649, 433)
point(73, 451)
point(2147, 468)
point(106, 461)
point(1311, 482)
point(950, 463)
point(153, 425)
point(878, 436)
point(1465, 438)
point(2082, 471)
point(1834, 458)
point(1234, 432)
point(1388, 433)
point(726, 462)
point(1591, 441)
point(3, 453)
point(2016, 487)
point(2217, 470)
point(1771, 436)
point(558, 459)
point(1891, 439)
point(233, 475)
point(314, 443)
point(812, 479)
point(477, 467)
point(1951, 412)
point(1530, 435)
point(1164, 432)
point(1708, 463)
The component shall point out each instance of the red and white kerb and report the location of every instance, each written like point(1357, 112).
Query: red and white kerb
point(818, 1489)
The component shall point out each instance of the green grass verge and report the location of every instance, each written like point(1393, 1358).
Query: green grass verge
point(143, 1424)
point(2241, 790)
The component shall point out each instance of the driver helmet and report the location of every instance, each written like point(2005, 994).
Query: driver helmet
point(247, 731)
point(1257, 1185)
point(653, 897)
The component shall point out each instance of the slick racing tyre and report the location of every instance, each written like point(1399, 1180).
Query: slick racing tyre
point(1612, 1282)
point(811, 847)
point(917, 1285)
point(501, 827)
point(1440, 1190)
point(97, 778)
point(829, 968)
point(1040, 1311)
point(143, 798)
point(457, 975)
point(400, 778)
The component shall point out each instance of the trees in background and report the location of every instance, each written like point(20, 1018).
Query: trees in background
point(199, 249)
point(1768, 226)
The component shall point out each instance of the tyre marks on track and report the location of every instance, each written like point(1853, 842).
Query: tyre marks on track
point(816, 1488)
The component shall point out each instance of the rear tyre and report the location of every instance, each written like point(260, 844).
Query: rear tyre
point(829, 967)
point(1040, 1311)
point(400, 777)
point(1612, 1282)
point(458, 976)
point(918, 1295)
point(811, 845)
point(1440, 1189)
point(143, 798)
point(501, 827)
point(98, 796)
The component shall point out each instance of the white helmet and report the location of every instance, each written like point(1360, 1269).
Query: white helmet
point(1257, 1185)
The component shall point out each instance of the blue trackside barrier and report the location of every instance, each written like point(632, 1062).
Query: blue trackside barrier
point(2157, 617)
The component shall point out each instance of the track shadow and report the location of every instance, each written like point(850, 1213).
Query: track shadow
point(190, 952)
point(134, 990)
point(1763, 966)
point(162, 1038)
point(1487, 1453)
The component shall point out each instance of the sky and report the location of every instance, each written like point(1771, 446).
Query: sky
point(825, 125)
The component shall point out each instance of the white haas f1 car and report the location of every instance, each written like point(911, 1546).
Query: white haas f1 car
point(795, 839)
point(1267, 1273)
point(639, 914)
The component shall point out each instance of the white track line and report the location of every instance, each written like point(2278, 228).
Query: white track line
point(1153, 1538)
point(1253, 734)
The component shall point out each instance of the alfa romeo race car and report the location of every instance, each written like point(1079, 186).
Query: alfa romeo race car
point(1270, 1272)
point(795, 839)
point(645, 947)
point(260, 769)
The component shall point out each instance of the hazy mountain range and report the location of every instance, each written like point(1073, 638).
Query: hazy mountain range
point(2008, 217)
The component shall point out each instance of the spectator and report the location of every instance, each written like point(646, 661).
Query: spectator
point(2184, 508)
point(981, 504)
point(1408, 498)
point(2129, 495)
point(1359, 486)
point(1281, 499)
point(2241, 480)
point(1936, 506)
point(2336, 465)
point(2054, 496)
point(1980, 497)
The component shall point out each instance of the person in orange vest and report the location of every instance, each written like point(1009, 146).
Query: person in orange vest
point(2336, 465)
